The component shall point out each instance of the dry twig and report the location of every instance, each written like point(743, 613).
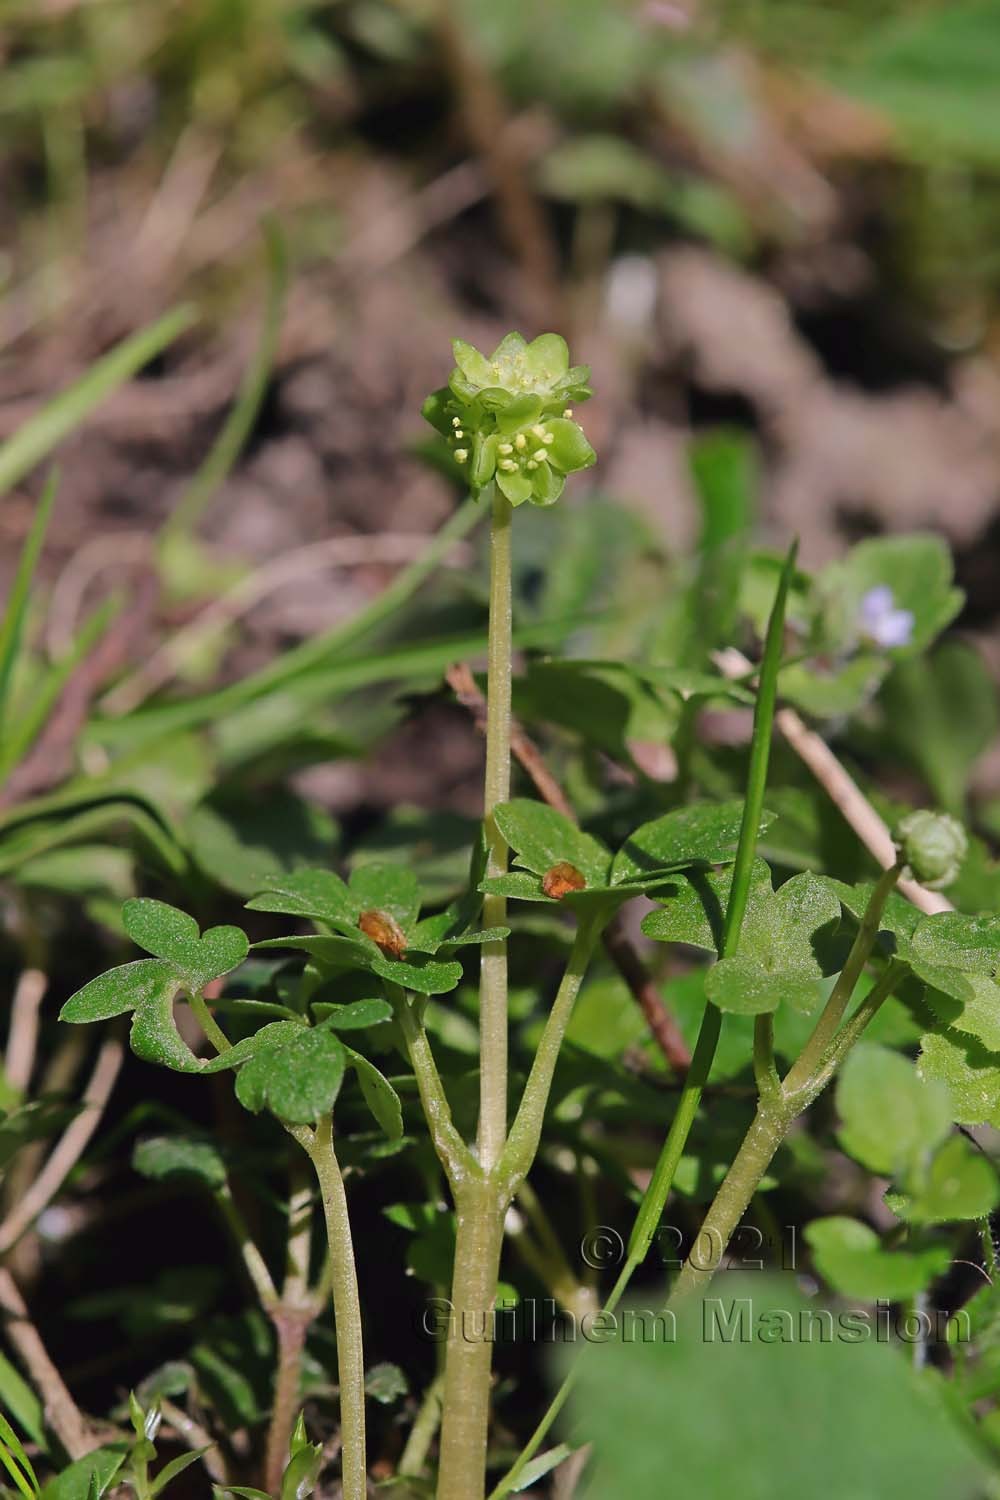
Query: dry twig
point(69, 1148)
point(61, 1412)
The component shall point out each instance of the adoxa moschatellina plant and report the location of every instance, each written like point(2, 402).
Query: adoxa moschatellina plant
point(374, 961)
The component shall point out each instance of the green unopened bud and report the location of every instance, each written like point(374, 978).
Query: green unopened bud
point(933, 846)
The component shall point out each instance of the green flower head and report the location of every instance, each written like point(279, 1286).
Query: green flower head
point(507, 418)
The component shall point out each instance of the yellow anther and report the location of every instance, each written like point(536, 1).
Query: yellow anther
point(505, 447)
point(508, 465)
point(568, 412)
point(538, 432)
point(520, 441)
point(549, 437)
point(459, 433)
point(540, 455)
point(461, 454)
point(531, 464)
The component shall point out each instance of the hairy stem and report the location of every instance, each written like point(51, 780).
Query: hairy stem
point(493, 972)
point(346, 1309)
point(770, 1125)
point(466, 1407)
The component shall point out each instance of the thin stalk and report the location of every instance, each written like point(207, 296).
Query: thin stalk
point(493, 971)
point(826, 1026)
point(428, 1419)
point(466, 1403)
point(765, 1070)
point(208, 1023)
point(346, 1310)
point(526, 1131)
point(253, 1261)
point(453, 1154)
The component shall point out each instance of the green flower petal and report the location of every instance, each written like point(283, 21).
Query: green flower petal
point(473, 365)
point(547, 358)
point(510, 347)
point(515, 485)
point(570, 450)
point(521, 412)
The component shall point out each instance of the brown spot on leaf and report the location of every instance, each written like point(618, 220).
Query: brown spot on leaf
point(561, 879)
point(385, 931)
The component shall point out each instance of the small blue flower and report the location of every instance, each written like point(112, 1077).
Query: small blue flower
point(881, 623)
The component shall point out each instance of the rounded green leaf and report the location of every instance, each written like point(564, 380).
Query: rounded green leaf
point(379, 1095)
point(118, 991)
point(849, 1255)
point(542, 837)
point(890, 1117)
point(390, 888)
point(317, 894)
point(165, 1156)
point(298, 1080)
point(161, 929)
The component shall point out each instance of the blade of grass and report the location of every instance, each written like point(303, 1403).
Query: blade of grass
point(318, 686)
point(655, 1197)
point(12, 627)
point(65, 412)
point(318, 650)
point(654, 1200)
point(15, 744)
point(239, 423)
point(16, 1461)
point(22, 1403)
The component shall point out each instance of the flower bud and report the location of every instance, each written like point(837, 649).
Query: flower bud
point(384, 931)
point(561, 880)
point(933, 846)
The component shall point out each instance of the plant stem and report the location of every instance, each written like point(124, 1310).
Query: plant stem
point(466, 1406)
point(770, 1125)
point(654, 1200)
point(826, 1026)
point(208, 1023)
point(253, 1261)
point(292, 1317)
point(346, 1309)
point(428, 1419)
point(765, 1071)
point(526, 1130)
point(453, 1154)
point(493, 971)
